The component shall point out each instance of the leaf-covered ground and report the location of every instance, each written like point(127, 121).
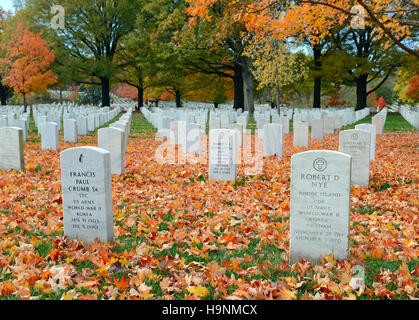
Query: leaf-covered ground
point(180, 236)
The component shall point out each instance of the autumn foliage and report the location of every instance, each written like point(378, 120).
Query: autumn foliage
point(180, 236)
point(26, 61)
point(314, 19)
point(413, 87)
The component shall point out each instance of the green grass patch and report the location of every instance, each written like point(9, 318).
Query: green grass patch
point(394, 122)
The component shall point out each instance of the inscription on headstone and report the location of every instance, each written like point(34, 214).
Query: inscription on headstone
point(357, 143)
point(222, 155)
point(87, 194)
point(11, 149)
point(320, 205)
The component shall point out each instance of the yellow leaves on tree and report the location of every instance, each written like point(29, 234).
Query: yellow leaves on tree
point(26, 61)
point(314, 19)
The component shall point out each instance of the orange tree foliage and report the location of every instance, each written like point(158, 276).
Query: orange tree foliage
point(413, 88)
point(381, 102)
point(126, 91)
point(312, 17)
point(25, 63)
point(334, 99)
point(372, 99)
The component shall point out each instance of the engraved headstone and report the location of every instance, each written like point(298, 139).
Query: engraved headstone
point(356, 143)
point(319, 205)
point(113, 140)
point(301, 134)
point(214, 123)
point(378, 121)
point(239, 132)
point(124, 126)
point(193, 138)
point(329, 125)
point(222, 155)
point(70, 130)
point(317, 129)
point(82, 126)
point(371, 128)
point(91, 122)
point(49, 136)
point(11, 149)
point(3, 121)
point(178, 135)
point(23, 124)
point(272, 140)
point(285, 121)
point(87, 194)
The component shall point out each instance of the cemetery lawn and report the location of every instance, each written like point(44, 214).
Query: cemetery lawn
point(394, 122)
point(180, 236)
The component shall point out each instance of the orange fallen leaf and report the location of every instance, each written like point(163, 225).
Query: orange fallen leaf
point(121, 284)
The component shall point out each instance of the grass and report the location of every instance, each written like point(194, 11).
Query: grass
point(394, 122)
point(141, 127)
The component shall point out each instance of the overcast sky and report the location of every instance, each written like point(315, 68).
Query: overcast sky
point(7, 5)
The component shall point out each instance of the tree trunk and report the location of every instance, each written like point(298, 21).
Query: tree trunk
point(140, 97)
point(178, 98)
point(106, 100)
point(238, 87)
point(361, 92)
point(3, 94)
point(61, 95)
point(24, 100)
point(249, 104)
point(277, 96)
point(317, 78)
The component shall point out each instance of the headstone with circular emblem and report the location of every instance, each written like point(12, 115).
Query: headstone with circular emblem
point(319, 205)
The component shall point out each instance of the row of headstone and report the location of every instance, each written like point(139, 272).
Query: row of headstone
point(87, 119)
point(72, 127)
point(14, 116)
point(379, 121)
point(319, 207)
point(86, 177)
point(411, 116)
point(114, 139)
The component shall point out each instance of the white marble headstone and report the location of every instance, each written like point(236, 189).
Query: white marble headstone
point(222, 155)
point(11, 149)
point(378, 121)
point(301, 134)
point(70, 130)
point(272, 140)
point(371, 128)
point(113, 140)
point(87, 194)
point(320, 205)
point(193, 138)
point(329, 125)
point(317, 129)
point(356, 143)
point(49, 136)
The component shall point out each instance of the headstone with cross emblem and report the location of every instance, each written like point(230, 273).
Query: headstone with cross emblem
point(87, 194)
point(320, 205)
point(357, 143)
point(371, 128)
